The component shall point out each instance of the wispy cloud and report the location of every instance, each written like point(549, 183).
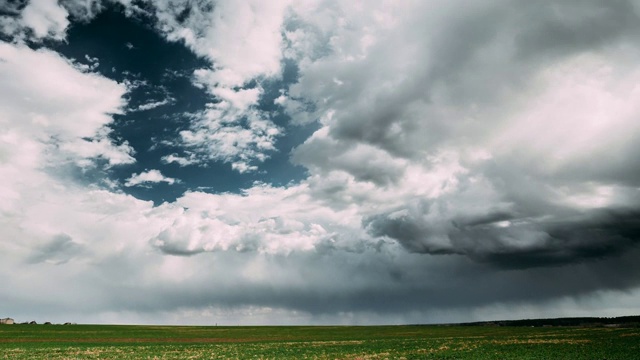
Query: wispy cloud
point(154, 104)
point(232, 129)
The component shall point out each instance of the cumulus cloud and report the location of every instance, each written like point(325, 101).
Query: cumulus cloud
point(46, 99)
point(151, 176)
point(474, 83)
point(38, 20)
point(263, 219)
point(242, 38)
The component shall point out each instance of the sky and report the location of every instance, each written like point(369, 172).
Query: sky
point(318, 161)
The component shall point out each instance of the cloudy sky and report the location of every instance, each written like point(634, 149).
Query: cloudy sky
point(318, 161)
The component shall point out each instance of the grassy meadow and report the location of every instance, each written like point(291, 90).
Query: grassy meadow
point(316, 342)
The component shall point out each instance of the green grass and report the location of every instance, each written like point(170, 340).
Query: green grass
point(325, 342)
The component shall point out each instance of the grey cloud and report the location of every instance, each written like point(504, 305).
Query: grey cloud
point(502, 240)
point(602, 234)
point(322, 156)
point(456, 63)
point(60, 249)
point(576, 26)
point(411, 233)
point(174, 248)
point(391, 103)
point(617, 164)
point(384, 282)
point(384, 279)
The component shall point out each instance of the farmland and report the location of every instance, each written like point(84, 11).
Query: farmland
point(316, 342)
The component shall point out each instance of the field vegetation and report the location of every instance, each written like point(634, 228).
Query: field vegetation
point(317, 342)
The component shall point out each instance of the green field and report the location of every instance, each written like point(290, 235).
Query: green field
point(325, 342)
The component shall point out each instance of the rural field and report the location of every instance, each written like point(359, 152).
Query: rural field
point(316, 342)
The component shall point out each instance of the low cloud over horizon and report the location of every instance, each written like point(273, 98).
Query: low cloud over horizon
point(318, 162)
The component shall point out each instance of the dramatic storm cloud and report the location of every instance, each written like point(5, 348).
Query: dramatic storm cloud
point(318, 161)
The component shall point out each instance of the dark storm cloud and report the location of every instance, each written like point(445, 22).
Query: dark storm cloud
point(383, 282)
point(607, 233)
point(502, 240)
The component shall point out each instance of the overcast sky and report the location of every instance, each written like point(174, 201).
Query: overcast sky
point(318, 161)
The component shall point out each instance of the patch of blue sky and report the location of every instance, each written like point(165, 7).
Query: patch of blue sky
point(160, 103)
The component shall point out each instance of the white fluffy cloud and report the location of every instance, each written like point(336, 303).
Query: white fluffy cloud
point(47, 100)
point(263, 219)
point(151, 176)
point(45, 18)
point(52, 115)
point(241, 38)
point(54, 118)
point(38, 20)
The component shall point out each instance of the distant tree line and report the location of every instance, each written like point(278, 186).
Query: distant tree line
point(622, 321)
